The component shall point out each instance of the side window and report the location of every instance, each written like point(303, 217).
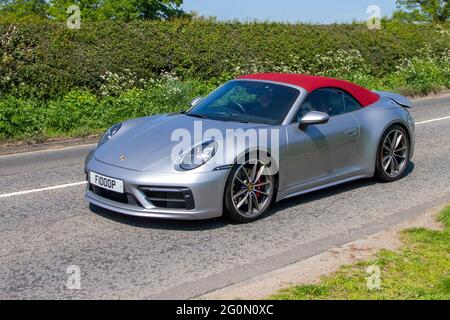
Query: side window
point(329, 100)
point(334, 102)
point(350, 103)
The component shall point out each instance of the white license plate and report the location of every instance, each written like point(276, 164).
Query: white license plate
point(107, 183)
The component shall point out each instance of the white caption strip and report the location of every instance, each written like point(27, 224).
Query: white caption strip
point(8, 195)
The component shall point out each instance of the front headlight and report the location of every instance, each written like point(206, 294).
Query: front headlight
point(199, 155)
point(109, 134)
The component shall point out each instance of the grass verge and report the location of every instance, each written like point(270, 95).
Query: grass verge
point(420, 270)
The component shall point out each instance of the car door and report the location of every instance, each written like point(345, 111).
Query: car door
point(308, 157)
point(320, 150)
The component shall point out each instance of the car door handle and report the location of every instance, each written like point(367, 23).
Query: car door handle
point(352, 132)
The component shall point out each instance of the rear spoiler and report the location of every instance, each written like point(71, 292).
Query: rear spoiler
point(398, 99)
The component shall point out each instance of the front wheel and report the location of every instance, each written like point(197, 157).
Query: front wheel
point(249, 191)
point(393, 154)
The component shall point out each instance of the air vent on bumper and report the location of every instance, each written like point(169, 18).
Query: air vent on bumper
point(171, 198)
point(124, 198)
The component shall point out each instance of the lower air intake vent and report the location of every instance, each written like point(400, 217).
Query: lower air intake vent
point(173, 198)
point(125, 198)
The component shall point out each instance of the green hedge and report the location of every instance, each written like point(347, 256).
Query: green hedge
point(80, 112)
point(46, 60)
point(55, 81)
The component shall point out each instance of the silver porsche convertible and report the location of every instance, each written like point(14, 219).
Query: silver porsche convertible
point(256, 140)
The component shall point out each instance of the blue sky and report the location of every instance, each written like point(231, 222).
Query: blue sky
point(320, 11)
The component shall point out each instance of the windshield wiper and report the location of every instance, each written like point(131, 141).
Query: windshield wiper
point(236, 117)
point(196, 115)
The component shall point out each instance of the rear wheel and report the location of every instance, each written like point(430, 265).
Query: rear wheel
point(393, 154)
point(249, 191)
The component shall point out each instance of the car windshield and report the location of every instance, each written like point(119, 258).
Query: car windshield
point(248, 101)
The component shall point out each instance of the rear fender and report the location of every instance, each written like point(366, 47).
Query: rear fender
point(398, 99)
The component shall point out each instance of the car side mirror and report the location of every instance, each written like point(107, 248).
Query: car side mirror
point(313, 117)
point(196, 101)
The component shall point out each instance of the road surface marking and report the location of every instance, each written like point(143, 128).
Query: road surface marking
point(80, 146)
point(432, 120)
point(8, 195)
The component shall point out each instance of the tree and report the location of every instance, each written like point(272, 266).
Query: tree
point(156, 9)
point(24, 8)
point(423, 10)
point(90, 9)
point(95, 10)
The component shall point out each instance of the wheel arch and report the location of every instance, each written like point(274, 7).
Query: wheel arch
point(379, 172)
point(391, 124)
point(245, 154)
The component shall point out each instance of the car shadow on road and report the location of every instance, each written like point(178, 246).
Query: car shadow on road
point(218, 223)
point(319, 195)
point(162, 224)
point(328, 192)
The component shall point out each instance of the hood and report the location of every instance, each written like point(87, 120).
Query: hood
point(146, 144)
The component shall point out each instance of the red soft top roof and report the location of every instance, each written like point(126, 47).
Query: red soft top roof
point(311, 83)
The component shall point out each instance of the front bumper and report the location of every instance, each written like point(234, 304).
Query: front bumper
point(205, 188)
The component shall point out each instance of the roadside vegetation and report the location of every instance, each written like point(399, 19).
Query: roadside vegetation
point(420, 270)
point(153, 58)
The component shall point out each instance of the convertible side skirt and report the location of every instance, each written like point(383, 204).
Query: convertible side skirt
point(320, 187)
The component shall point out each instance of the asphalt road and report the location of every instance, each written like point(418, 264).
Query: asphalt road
point(45, 232)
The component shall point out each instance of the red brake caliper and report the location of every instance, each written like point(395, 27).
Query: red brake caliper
point(258, 195)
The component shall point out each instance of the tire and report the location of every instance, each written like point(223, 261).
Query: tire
point(244, 181)
point(393, 154)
